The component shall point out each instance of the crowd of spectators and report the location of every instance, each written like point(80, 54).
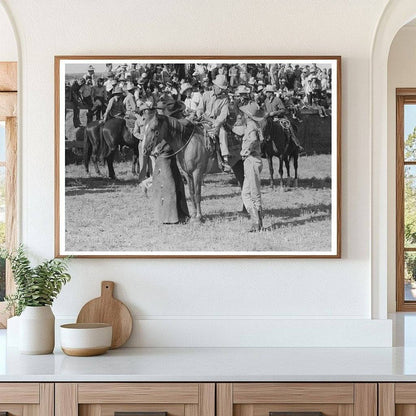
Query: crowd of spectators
point(299, 86)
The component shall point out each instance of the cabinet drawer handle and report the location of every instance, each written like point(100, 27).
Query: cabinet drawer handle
point(296, 414)
point(138, 414)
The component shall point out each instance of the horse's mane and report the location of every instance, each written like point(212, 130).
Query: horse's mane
point(177, 127)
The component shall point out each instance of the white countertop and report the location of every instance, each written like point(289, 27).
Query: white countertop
point(213, 364)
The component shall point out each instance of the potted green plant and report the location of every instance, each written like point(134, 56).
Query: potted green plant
point(36, 289)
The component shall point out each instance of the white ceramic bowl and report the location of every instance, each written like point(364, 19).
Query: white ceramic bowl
point(83, 340)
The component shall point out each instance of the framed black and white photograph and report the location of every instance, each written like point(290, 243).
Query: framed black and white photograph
point(198, 156)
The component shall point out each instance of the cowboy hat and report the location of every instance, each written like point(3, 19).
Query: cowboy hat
point(242, 89)
point(221, 82)
point(118, 90)
point(185, 86)
point(269, 88)
point(253, 111)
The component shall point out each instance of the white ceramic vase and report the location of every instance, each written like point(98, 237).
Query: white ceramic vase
point(37, 330)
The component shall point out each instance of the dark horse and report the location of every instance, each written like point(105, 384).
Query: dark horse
point(102, 140)
point(279, 143)
point(188, 144)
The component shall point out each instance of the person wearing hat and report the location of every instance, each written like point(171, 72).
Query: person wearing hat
point(273, 104)
point(85, 92)
point(233, 74)
point(276, 109)
point(115, 107)
point(191, 99)
point(99, 98)
point(75, 99)
point(214, 108)
point(129, 101)
point(242, 95)
point(91, 74)
point(109, 80)
point(251, 155)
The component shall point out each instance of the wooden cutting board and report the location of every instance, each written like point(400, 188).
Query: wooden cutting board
point(107, 309)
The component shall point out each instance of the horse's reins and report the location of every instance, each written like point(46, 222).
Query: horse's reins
point(182, 148)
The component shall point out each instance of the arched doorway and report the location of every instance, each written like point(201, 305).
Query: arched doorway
point(8, 149)
point(396, 14)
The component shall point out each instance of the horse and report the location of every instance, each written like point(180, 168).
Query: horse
point(279, 143)
point(102, 140)
point(188, 143)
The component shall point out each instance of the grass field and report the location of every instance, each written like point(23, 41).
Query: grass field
point(105, 215)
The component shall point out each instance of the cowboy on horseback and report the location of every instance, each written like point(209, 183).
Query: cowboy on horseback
point(115, 107)
point(276, 110)
point(214, 109)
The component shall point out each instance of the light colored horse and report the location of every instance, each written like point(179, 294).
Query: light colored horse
point(187, 142)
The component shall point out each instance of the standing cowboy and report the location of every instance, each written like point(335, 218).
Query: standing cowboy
point(214, 107)
point(75, 99)
point(85, 92)
point(251, 154)
point(99, 94)
point(129, 101)
point(91, 74)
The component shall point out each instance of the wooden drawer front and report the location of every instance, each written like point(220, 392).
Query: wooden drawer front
point(293, 393)
point(27, 399)
point(331, 399)
point(12, 409)
point(397, 399)
point(138, 393)
point(104, 399)
point(19, 393)
point(110, 409)
point(405, 393)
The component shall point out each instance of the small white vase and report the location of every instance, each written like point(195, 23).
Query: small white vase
point(37, 330)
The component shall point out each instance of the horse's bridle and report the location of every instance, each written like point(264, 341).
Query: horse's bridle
point(181, 148)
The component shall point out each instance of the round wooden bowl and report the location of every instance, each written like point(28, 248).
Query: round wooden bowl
point(85, 340)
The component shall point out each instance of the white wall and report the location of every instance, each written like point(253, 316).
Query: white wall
point(179, 302)
point(8, 46)
point(401, 74)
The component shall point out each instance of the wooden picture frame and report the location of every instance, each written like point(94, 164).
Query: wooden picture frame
point(332, 210)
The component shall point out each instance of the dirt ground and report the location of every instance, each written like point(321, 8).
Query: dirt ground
point(105, 215)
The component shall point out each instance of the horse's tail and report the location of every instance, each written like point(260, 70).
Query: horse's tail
point(87, 149)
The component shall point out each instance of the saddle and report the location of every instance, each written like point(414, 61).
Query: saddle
point(210, 140)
